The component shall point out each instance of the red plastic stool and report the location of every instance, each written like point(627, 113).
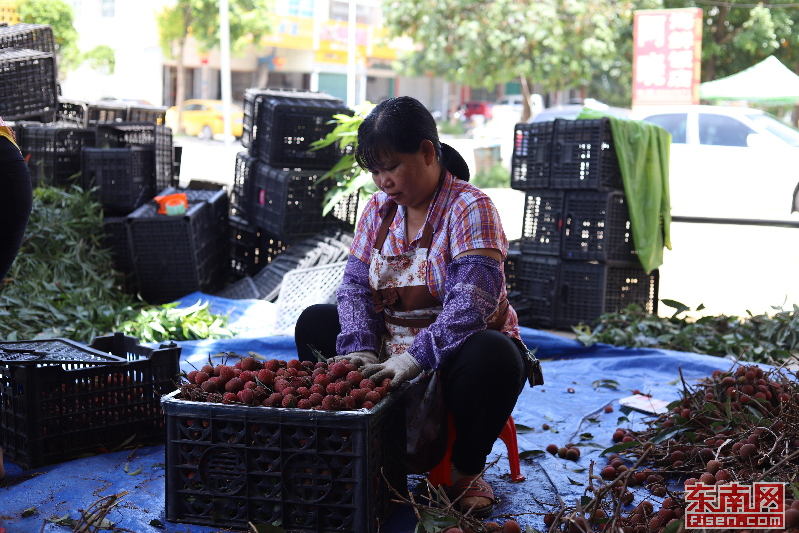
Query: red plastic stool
point(440, 474)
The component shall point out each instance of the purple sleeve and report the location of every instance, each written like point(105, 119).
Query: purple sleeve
point(472, 291)
point(361, 327)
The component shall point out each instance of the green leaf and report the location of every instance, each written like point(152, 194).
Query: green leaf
point(619, 447)
point(436, 522)
point(157, 523)
point(575, 482)
point(622, 419)
point(606, 383)
point(530, 453)
point(520, 428)
point(135, 472)
point(673, 527)
point(667, 434)
point(586, 436)
point(30, 511)
point(576, 470)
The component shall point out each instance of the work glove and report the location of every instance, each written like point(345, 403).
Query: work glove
point(400, 368)
point(356, 358)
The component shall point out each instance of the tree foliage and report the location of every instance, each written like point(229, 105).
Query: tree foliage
point(249, 21)
point(58, 14)
point(735, 38)
point(578, 43)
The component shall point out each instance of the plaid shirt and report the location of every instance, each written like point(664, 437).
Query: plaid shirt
point(463, 218)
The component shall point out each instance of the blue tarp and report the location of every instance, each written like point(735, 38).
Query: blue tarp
point(62, 489)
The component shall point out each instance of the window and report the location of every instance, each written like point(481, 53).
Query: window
point(107, 8)
point(674, 123)
point(193, 107)
point(77, 8)
point(778, 128)
point(720, 130)
point(364, 14)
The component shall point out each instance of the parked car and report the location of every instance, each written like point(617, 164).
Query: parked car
point(478, 107)
point(204, 118)
point(730, 162)
point(571, 111)
point(512, 105)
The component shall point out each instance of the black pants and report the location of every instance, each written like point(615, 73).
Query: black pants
point(16, 200)
point(480, 382)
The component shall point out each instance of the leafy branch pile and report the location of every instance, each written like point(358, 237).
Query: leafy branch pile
point(63, 284)
point(757, 338)
point(740, 426)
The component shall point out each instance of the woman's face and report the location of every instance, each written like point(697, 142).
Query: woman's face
point(409, 179)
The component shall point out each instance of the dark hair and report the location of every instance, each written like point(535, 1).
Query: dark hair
point(400, 125)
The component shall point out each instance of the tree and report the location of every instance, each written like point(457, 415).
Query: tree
point(58, 14)
point(735, 38)
point(554, 43)
point(249, 21)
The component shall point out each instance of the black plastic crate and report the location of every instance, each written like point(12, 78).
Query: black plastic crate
point(241, 194)
point(28, 84)
point(124, 177)
point(288, 203)
point(53, 152)
point(311, 471)
point(116, 238)
point(538, 277)
point(73, 112)
point(532, 151)
point(147, 113)
point(177, 255)
point(510, 265)
point(584, 156)
point(588, 289)
point(597, 227)
point(53, 413)
point(145, 134)
point(287, 125)
point(542, 228)
point(30, 36)
point(98, 112)
point(251, 248)
point(243, 289)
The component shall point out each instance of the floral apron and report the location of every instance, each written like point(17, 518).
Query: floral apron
point(400, 294)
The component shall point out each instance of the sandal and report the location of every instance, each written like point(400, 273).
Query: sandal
point(474, 488)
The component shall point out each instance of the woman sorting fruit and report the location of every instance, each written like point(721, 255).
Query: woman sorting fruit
point(424, 289)
point(15, 207)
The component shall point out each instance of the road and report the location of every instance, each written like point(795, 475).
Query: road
point(728, 268)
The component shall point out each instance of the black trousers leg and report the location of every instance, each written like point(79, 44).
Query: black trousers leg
point(16, 201)
point(317, 326)
point(481, 383)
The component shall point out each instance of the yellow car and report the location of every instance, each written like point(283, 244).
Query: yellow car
point(204, 118)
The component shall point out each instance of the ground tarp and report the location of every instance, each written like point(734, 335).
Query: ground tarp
point(578, 416)
point(768, 82)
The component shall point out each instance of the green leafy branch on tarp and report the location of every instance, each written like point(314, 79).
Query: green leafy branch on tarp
point(758, 338)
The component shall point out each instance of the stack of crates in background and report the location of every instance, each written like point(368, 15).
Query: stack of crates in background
point(28, 73)
point(70, 399)
point(577, 258)
point(278, 193)
point(175, 255)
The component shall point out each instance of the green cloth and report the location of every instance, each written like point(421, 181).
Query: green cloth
point(643, 149)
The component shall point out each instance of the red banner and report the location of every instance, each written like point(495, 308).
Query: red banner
point(667, 52)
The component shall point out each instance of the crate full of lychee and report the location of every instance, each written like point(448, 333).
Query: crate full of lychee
point(309, 446)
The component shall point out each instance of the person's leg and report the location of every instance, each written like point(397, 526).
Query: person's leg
point(15, 203)
point(317, 326)
point(481, 383)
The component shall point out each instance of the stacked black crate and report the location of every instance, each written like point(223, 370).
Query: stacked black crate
point(278, 194)
point(28, 73)
point(174, 255)
point(578, 258)
point(130, 163)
